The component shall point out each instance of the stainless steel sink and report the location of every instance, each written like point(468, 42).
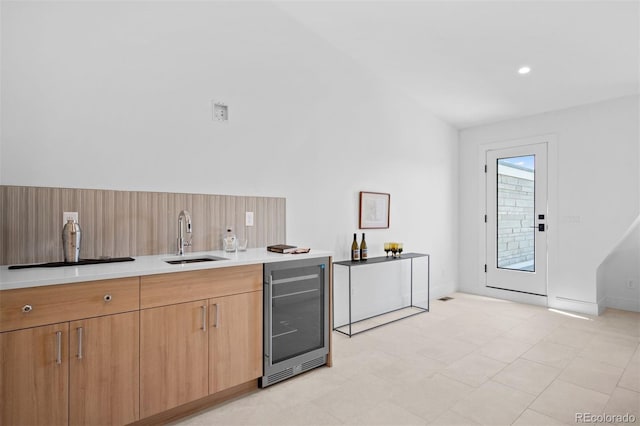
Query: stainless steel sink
point(183, 260)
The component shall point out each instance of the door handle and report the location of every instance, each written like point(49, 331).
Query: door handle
point(541, 227)
point(269, 351)
point(80, 335)
point(58, 347)
point(217, 317)
point(204, 318)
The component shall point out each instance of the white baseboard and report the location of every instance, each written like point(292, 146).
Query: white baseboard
point(516, 296)
point(632, 305)
point(579, 306)
point(602, 305)
point(440, 291)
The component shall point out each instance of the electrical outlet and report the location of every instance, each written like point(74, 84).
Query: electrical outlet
point(220, 111)
point(248, 219)
point(69, 215)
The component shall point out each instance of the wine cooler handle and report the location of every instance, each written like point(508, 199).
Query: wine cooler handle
point(58, 347)
point(270, 308)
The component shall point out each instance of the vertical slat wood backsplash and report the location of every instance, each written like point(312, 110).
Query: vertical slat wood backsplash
point(127, 223)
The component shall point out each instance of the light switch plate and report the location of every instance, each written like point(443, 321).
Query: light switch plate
point(248, 219)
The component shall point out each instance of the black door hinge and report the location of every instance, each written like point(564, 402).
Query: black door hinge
point(485, 168)
point(485, 218)
point(485, 267)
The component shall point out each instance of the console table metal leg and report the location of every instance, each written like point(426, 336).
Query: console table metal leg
point(411, 294)
point(349, 302)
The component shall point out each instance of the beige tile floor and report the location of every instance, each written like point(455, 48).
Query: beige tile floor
point(471, 360)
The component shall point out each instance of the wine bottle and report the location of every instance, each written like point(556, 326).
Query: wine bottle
point(363, 249)
point(355, 251)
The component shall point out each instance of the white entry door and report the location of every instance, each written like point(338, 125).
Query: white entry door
point(516, 219)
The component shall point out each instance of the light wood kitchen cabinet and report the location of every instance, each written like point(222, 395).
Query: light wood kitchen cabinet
point(235, 340)
point(201, 333)
point(41, 382)
point(104, 370)
point(123, 350)
point(174, 356)
point(169, 289)
point(34, 306)
point(34, 376)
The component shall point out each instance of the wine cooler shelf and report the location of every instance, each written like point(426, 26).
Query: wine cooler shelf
point(379, 291)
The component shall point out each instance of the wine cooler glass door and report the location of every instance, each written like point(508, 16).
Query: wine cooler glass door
point(297, 317)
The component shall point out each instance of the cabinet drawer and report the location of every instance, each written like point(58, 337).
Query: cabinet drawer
point(179, 287)
point(30, 307)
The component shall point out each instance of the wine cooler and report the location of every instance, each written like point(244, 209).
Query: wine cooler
point(296, 318)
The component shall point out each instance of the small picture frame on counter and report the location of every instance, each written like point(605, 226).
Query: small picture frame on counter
point(374, 210)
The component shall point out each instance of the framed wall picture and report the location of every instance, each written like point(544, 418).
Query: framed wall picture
point(374, 210)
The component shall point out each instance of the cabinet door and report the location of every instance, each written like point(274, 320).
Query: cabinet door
point(34, 381)
point(174, 356)
point(105, 370)
point(235, 341)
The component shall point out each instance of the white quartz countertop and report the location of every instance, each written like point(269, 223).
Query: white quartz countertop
point(142, 265)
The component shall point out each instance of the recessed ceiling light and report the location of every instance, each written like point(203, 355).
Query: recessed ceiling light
point(524, 70)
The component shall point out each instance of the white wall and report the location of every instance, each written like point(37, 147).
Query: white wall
point(118, 95)
point(619, 273)
point(594, 177)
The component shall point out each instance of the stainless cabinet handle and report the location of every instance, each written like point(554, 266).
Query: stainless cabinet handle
point(107, 298)
point(217, 315)
point(204, 317)
point(27, 308)
point(80, 334)
point(58, 347)
point(269, 299)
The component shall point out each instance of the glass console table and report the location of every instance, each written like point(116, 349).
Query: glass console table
point(378, 291)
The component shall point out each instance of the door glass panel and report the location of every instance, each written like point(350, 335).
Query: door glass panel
point(516, 213)
point(298, 311)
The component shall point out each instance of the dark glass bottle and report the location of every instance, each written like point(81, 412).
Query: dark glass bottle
point(355, 251)
point(363, 249)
